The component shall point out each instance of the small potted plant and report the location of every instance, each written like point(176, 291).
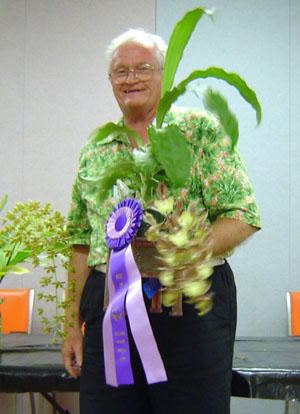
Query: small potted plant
point(34, 235)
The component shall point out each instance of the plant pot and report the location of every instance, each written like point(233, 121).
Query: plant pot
point(145, 252)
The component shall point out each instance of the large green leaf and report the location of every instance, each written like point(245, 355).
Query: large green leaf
point(111, 128)
point(3, 259)
point(217, 104)
point(166, 102)
point(120, 169)
point(178, 40)
point(232, 79)
point(3, 201)
point(19, 257)
point(170, 148)
point(144, 161)
point(18, 270)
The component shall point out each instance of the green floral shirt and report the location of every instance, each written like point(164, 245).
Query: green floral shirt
point(218, 180)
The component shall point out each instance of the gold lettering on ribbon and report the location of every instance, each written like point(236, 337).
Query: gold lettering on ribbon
point(122, 358)
point(120, 341)
point(117, 314)
point(121, 350)
point(119, 275)
point(119, 333)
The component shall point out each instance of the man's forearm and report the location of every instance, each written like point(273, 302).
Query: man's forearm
point(80, 275)
point(227, 233)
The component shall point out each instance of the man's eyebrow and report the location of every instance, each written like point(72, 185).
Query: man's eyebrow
point(121, 67)
point(136, 66)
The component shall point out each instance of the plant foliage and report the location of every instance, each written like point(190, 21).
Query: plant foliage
point(168, 159)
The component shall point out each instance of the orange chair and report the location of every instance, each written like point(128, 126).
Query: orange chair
point(293, 312)
point(16, 316)
point(16, 310)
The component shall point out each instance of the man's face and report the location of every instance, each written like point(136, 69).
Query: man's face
point(134, 95)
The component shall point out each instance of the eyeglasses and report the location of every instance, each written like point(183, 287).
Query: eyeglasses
point(142, 73)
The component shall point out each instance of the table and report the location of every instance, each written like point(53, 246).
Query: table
point(262, 367)
point(267, 368)
point(30, 363)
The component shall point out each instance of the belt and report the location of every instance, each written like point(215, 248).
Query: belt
point(214, 261)
point(100, 268)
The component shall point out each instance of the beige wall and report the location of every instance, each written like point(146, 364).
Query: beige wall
point(54, 92)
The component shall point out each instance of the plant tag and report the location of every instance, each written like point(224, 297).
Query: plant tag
point(151, 286)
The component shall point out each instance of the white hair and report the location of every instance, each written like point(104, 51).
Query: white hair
point(142, 37)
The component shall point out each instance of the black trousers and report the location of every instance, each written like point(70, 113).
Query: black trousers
point(197, 354)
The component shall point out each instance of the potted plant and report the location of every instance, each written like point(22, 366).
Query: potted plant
point(34, 235)
point(157, 173)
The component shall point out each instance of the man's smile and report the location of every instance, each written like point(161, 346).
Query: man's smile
point(129, 91)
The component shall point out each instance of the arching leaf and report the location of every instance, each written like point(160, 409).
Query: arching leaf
point(232, 79)
point(177, 43)
point(166, 102)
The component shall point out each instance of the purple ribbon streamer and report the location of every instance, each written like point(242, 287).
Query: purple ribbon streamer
point(117, 355)
point(115, 319)
point(107, 334)
point(140, 325)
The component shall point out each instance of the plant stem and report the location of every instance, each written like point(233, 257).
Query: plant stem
point(55, 294)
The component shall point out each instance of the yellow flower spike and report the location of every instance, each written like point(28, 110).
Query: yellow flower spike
point(169, 297)
point(149, 218)
point(166, 278)
point(163, 246)
point(152, 234)
point(203, 272)
point(204, 306)
point(196, 288)
point(173, 258)
point(187, 220)
point(179, 238)
point(164, 206)
point(170, 259)
point(201, 233)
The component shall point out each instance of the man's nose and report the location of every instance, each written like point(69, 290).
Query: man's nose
point(131, 77)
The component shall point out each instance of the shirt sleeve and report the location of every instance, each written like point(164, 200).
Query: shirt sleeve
point(224, 182)
point(78, 222)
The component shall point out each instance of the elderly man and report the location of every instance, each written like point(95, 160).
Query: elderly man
point(196, 351)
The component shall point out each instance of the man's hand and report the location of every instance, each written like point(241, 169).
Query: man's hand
point(72, 345)
point(72, 352)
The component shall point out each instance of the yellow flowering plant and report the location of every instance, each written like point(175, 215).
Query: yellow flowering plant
point(36, 236)
point(183, 252)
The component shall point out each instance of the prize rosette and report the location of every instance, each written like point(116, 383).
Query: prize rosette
point(123, 224)
point(126, 297)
